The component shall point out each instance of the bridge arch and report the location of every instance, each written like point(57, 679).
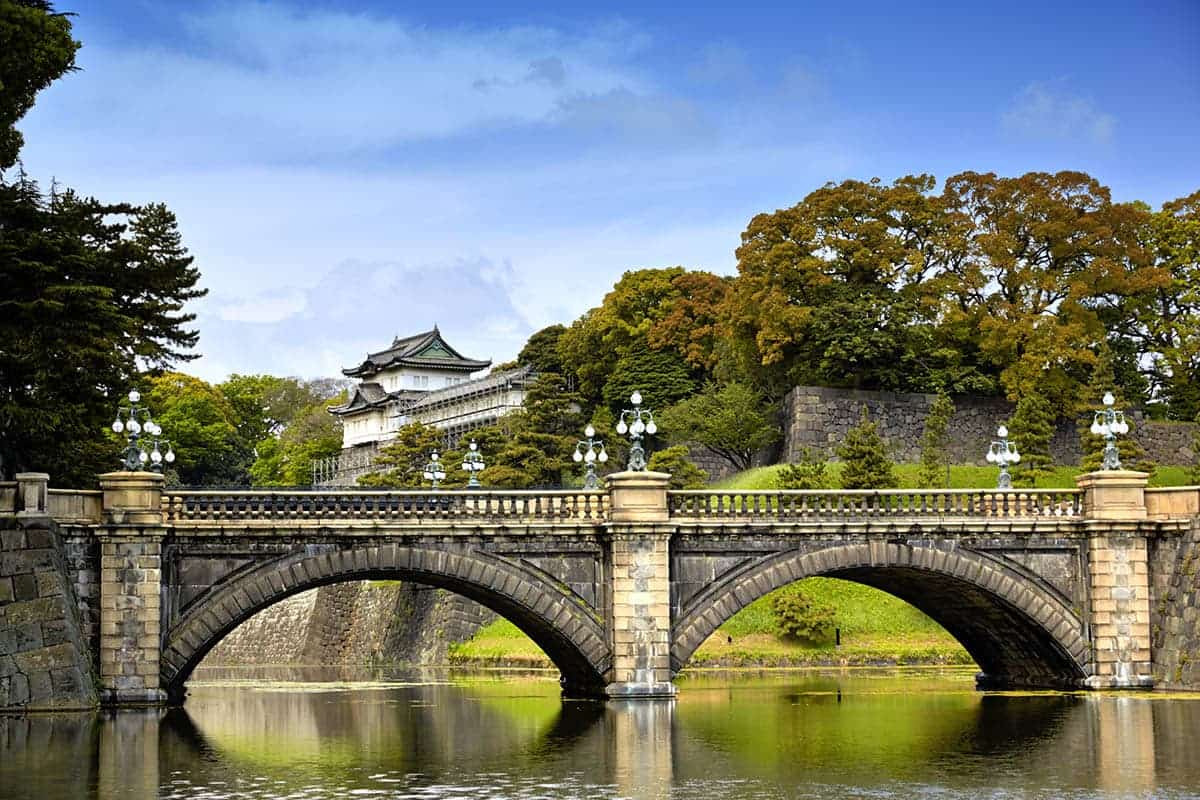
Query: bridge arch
point(569, 632)
point(1019, 630)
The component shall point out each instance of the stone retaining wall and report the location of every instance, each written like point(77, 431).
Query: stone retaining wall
point(44, 661)
point(358, 622)
point(819, 417)
point(1175, 610)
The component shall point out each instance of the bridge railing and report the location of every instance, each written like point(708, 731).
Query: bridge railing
point(220, 505)
point(826, 504)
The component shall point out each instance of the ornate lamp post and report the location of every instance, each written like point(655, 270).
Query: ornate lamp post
point(1108, 423)
point(1003, 452)
point(434, 472)
point(586, 452)
point(473, 464)
point(136, 425)
point(641, 422)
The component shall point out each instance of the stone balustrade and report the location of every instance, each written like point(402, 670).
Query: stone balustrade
point(827, 504)
point(204, 506)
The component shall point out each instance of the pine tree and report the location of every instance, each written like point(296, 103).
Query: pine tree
point(1032, 429)
point(808, 473)
point(865, 460)
point(934, 458)
point(401, 462)
point(1133, 455)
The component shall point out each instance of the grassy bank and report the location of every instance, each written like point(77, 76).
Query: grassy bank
point(876, 628)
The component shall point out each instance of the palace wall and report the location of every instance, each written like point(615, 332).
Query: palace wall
point(819, 417)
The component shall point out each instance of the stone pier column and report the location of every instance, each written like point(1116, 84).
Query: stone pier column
point(1114, 507)
point(640, 542)
point(131, 589)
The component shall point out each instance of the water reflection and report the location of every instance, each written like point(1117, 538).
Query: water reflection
point(423, 736)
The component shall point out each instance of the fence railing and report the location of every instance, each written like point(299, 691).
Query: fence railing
point(549, 506)
point(847, 504)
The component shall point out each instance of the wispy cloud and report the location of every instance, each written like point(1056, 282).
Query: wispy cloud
point(1048, 111)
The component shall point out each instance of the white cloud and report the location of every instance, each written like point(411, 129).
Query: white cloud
point(1047, 111)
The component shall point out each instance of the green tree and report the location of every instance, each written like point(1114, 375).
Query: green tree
point(541, 439)
point(729, 420)
point(1032, 429)
point(92, 294)
point(1103, 380)
point(1196, 453)
point(810, 472)
point(37, 50)
point(674, 460)
point(662, 377)
point(934, 442)
point(201, 425)
point(402, 460)
point(541, 351)
point(284, 457)
point(266, 404)
point(798, 616)
point(865, 461)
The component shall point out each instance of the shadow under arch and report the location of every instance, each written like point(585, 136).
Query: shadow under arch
point(1020, 631)
point(560, 623)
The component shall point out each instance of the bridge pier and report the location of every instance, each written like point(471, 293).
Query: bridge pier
point(640, 558)
point(131, 538)
point(1114, 505)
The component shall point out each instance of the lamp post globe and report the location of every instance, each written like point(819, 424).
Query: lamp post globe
point(636, 421)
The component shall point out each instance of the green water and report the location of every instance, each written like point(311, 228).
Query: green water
point(330, 734)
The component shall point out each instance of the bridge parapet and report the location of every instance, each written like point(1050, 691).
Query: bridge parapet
point(827, 504)
point(200, 507)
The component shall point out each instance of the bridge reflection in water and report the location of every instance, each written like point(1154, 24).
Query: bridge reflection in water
point(899, 735)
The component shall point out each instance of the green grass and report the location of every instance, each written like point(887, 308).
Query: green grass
point(962, 476)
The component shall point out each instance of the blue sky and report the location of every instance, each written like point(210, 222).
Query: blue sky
point(345, 172)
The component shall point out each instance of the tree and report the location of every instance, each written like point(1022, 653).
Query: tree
point(1103, 380)
point(934, 458)
point(541, 351)
point(284, 457)
point(541, 439)
point(865, 462)
point(809, 473)
point(37, 50)
point(202, 427)
point(1032, 429)
point(728, 420)
point(402, 460)
point(91, 295)
point(799, 617)
point(674, 460)
point(662, 377)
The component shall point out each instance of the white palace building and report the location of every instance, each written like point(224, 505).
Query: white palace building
point(418, 378)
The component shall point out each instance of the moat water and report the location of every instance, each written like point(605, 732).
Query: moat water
point(391, 734)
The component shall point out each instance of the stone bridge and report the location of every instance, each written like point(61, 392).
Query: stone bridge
point(1044, 588)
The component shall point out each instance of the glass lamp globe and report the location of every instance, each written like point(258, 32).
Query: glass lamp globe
point(1096, 428)
point(638, 426)
point(991, 457)
point(603, 456)
point(589, 431)
point(636, 398)
point(1108, 399)
point(170, 456)
point(590, 456)
point(156, 456)
point(134, 395)
point(143, 456)
point(117, 426)
point(1015, 457)
point(577, 457)
point(473, 446)
point(1002, 431)
point(134, 427)
point(622, 428)
point(651, 428)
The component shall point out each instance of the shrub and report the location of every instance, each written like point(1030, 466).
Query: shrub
point(807, 473)
point(798, 617)
point(934, 458)
point(684, 474)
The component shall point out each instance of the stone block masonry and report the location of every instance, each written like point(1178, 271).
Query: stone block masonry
point(45, 663)
point(819, 417)
point(1175, 610)
point(130, 609)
